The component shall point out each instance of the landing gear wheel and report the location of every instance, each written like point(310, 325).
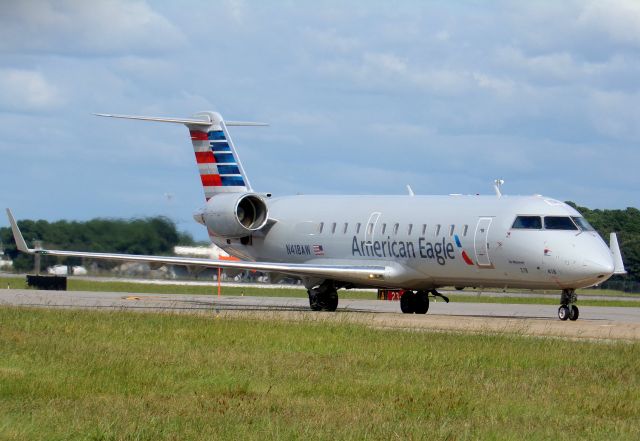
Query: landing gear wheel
point(574, 313)
point(331, 301)
point(563, 312)
point(420, 302)
point(407, 303)
point(323, 299)
point(314, 301)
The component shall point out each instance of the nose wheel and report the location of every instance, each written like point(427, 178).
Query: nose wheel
point(568, 310)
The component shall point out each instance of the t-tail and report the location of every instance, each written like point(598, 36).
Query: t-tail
point(218, 162)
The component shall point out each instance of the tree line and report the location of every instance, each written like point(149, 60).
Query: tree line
point(152, 235)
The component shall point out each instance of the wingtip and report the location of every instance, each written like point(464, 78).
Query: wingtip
point(17, 234)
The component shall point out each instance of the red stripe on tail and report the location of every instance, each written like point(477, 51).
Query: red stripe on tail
point(211, 180)
point(205, 157)
point(197, 135)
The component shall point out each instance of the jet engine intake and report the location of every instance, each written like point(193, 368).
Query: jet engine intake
point(234, 215)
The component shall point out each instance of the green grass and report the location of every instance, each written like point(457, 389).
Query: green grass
point(76, 284)
point(115, 375)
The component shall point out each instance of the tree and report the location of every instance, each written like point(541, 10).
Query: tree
point(153, 235)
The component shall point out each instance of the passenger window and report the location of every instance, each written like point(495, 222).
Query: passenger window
point(465, 231)
point(437, 230)
point(559, 223)
point(321, 228)
point(395, 228)
point(424, 229)
point(358, 225)
point(369, 229)
point(346, 227)
point(527, 223)
point(333, 228)
point(451, 228)
point(384, 228)
point(409, 229)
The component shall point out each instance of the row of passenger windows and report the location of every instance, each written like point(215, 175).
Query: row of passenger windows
point(572, 223)
point(388, 229)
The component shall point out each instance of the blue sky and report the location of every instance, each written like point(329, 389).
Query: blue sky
point(363, 97)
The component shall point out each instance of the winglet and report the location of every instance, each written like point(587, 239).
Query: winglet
point(618, 264)
point(17, 235)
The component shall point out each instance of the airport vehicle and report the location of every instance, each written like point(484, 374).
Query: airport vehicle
point(409, 242)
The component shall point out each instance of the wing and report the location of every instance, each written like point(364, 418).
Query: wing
point(351, 273)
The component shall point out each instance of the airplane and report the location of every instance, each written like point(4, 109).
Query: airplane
point(412, 243)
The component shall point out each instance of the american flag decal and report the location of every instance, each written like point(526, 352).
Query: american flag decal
point(318, 250)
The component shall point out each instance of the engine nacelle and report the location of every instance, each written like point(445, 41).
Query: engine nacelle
point(234, 215)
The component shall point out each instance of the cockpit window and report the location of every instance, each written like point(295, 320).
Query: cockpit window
point(582, 223)
point(528, 223)
point(559, 223)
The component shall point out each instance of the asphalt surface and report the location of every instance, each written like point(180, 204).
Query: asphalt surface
point(601, 323)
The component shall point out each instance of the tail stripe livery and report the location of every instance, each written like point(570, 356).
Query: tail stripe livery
point(218, 162)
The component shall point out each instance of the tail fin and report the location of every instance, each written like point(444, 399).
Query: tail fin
point(218, 162)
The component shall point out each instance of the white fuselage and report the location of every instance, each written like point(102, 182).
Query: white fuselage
point(431, 241)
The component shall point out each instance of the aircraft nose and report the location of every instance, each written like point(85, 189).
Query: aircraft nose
point(598, 261)
point(601, 268)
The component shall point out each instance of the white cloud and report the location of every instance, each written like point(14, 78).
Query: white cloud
point(618, 19)
point(85, 27)
point(25, 90)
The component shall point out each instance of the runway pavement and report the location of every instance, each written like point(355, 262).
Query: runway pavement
point(609, 323)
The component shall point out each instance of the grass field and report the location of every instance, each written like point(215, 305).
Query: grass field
point(126, 376)
point(75, 284)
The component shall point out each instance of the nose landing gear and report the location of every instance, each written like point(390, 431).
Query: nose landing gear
point(568, 310)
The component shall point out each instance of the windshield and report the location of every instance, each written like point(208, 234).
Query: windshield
point(528, 223)
point(582, 223)
point(559, 223)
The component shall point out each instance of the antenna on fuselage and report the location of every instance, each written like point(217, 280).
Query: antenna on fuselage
point(497, 184)
point(410, 190)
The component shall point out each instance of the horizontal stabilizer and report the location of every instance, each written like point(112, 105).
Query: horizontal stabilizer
point(187, 121)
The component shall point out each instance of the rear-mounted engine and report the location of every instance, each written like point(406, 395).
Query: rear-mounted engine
point(234, 215)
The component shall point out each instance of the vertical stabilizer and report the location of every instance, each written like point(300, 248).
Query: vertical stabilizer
point(218, 162)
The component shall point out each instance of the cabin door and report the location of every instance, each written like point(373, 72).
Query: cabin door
point(370, 227)
point(481, 241)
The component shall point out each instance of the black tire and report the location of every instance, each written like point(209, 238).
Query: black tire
point(406, 302)
point(330, 302)
point(322, 300)
point(314, 300)
point(574, 313)
point(563, 312)
point(420, 302)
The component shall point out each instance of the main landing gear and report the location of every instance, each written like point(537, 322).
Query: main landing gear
point(323, 297)
point(568, 310)
point(417, 302)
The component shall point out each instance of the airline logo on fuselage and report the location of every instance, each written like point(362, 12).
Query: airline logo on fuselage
point(440, 251)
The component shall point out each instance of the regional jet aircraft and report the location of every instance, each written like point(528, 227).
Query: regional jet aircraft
point(412, 243)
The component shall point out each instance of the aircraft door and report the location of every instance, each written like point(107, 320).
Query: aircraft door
point(481, 241)
point(370, 227)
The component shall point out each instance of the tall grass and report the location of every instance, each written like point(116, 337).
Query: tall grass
point(103, 376)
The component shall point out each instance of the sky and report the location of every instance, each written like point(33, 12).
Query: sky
point(362, 97)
